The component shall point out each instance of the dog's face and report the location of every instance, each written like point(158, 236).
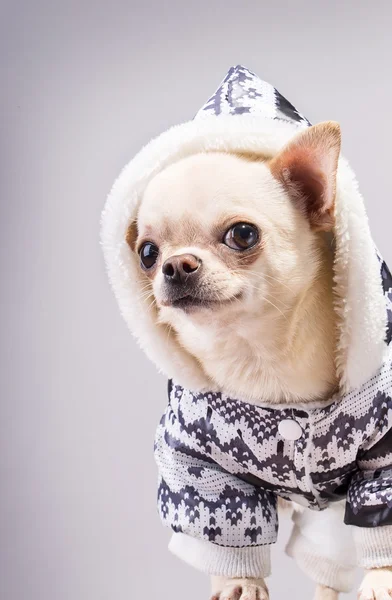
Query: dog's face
point(225, 235)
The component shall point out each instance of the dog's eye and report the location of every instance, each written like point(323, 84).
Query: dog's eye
point(148, 255)
point(241, 236)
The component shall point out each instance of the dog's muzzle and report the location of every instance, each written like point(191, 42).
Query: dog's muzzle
point(182, 279)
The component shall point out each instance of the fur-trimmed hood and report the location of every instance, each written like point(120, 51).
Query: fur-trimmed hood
point(248, 114)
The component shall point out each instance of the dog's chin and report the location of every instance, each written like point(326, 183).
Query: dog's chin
point(192, 304)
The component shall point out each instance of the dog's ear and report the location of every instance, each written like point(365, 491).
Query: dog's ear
point(307, 169)
point(131, 235)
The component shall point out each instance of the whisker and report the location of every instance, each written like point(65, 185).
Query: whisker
point(146, 294)
point(274, 305)
point(251, 285)
point(169, 330)
point(278, 309)
point(151, 304)
point(263, 275)
point(283, 304)
point(147, 297)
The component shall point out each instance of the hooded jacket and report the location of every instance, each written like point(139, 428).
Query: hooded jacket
point(222, 461)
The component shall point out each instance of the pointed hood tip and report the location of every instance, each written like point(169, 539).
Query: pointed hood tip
point(243, 92)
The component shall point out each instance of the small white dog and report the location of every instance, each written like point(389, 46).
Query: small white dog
point(240, 260)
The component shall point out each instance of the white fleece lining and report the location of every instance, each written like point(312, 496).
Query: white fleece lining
point(359, 299)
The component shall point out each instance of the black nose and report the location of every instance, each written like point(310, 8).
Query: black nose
point(181, 268)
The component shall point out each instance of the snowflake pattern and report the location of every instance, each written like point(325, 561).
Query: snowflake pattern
point(243, 92)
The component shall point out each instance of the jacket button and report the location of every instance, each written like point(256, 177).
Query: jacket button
point(290, 429)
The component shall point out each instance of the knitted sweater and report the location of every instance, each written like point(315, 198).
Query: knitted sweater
point(223, 462)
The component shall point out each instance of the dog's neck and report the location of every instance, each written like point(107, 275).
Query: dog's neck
point(284, 355)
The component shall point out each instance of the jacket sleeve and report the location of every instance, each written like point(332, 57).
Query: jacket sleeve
point(222, 524)
point(369, 497)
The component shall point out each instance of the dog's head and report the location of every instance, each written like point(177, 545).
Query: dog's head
point(217, 233)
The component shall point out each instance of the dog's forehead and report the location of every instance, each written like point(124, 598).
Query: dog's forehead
point(200, 190)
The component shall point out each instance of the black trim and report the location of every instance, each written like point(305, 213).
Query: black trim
point(169, 387)
point(381, 449)
point(279, 490)
point(369, 516)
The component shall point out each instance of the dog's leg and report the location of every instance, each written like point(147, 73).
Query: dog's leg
point(324, 549)
point(227, 588)
point(376, 585)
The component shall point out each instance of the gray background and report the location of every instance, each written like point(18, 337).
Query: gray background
point(84, 85)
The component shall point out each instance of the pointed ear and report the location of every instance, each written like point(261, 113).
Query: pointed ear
point(307, 167)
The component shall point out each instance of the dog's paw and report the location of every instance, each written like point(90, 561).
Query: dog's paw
point(241, 589)
point(376, 585)
point(325, 593)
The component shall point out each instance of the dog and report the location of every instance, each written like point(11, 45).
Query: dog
point(235, 252)
point(239, 251)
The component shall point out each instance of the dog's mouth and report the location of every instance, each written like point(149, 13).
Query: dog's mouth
point(190, 302)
